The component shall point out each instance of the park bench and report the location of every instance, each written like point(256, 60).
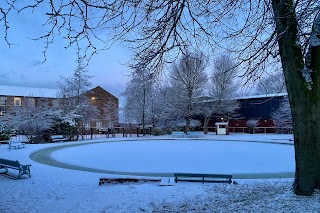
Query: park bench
point(193, 134)
point(16, 145)
point(213, 178)
point(23, 169)
point(177, 134)
point(56, 138)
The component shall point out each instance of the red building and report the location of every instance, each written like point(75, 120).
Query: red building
point(258, 107)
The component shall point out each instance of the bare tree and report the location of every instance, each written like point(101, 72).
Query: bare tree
point(188, 80)
point(222, 91)
point(168, 107)
point(110, 112)
point(259, 33)
point(77, 108)
point(301, 70)
point(74, 86)
point(138, 93)
point(165, 107)
point(282, 118)
point(271, 84)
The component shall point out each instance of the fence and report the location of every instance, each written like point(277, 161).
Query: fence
point(256, 130)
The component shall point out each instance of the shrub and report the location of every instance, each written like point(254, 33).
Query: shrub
point(4, 132)
point(251, 124)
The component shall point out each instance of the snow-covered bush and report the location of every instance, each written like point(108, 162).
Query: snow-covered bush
point(282, 117)
point(157, 131)
point(34, 121)
point(161, 131)
point(4, 132)
point(252, 124)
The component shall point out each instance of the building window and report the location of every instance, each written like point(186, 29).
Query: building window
point(87, 125)
point(16, 101)
point(3, 111)
point(31, 102)
point(98, 125)
point(56, 103)
point(3, 101)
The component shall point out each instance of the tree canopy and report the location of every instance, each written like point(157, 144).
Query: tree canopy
point(259, 34)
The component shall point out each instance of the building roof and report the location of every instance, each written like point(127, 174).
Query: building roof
point(263, 96)
point(28, 91)
point(99, 89)
point(270, 96)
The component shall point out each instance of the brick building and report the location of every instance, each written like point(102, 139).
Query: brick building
point(108, 106)
point(106, 103)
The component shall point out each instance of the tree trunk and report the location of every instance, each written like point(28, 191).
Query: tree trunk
point(205, 125)
point(304, 98)
point(143, 112)
point(187, 129)
point(188, 116)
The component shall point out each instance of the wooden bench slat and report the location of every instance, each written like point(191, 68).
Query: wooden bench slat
point(55, 138)
point(178, 134)
point(23, 169)
point(202, 175)
point(15, 145)
point(193, 134)
point(194, 177)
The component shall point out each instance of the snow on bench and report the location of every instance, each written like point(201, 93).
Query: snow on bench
point(55, 138)
point(193, 177)
point(193, 134)
point(16, 145)
point(177, 134)
point(167, 181)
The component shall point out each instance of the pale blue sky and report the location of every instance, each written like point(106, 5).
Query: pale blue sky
point(22, 64)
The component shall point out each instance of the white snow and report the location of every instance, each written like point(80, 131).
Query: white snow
point(306, 73)
point(52, 189)
point(167, 156)
point(27, 91)
point(314, 41)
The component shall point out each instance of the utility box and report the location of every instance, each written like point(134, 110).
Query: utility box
point(222, 128)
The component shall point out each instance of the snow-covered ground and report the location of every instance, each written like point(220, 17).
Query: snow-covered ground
point(167, 156)
point(52, 189)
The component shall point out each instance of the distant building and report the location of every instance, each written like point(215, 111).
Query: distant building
point(107, 104)
point(258, 107)
point(11, 96)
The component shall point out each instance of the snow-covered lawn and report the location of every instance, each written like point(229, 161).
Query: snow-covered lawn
point(52, 189)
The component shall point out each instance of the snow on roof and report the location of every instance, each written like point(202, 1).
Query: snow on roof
point(263, 96)
point(207, 99)
point(27, 91)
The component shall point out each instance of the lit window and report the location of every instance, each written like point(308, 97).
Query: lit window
point(3, 101)
point(3, 111)
point(16, 101)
